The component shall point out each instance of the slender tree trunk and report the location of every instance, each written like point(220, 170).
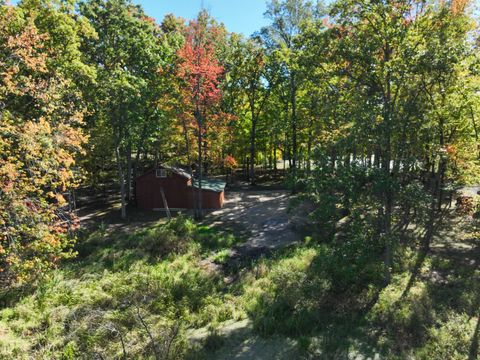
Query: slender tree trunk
point(205, 167)
point(293, 100)
point(288, 152)
point(156, 159)
point(309, 145)
point(275, 152)
point(187, 142)
point(135, 172)
point(140, 147)
point(388, 191)
point(251, 100)
point(376, 158)
point(270, 152)
point(128, 189)
point(333, 157)
point(472, 114)
point(121, 177)
point(388, 237)
point(252, 150)
point(198, 116)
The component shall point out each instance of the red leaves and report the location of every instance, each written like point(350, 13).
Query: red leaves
point(230, 162)
point(200, 68)
point(200, 73)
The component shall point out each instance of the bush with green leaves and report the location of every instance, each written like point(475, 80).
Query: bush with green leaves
point(173, 238)
point(451, 339)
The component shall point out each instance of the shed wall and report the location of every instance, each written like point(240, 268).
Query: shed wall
point(177, 191)
point(174, 186)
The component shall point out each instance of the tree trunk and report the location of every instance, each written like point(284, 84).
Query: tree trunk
point(333, 157)
point(270, 152)
point(121, 177)
point(252, 151)
point(205, 167)
point(309, 150)
point(199, 213)
point(293, 100)
point(135, 172)
point(387, 157)
point(475, 129)
point(128, 189)
point(187, 142)
point(140, 147)
point(275, 152)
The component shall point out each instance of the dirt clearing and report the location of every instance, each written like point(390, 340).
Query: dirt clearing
point(260, 216)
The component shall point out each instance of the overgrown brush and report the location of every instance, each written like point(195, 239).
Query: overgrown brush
point(95, 308)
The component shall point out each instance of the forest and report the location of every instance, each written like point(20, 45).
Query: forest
point(347, 133)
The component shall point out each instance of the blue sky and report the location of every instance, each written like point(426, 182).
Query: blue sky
point(242, 16)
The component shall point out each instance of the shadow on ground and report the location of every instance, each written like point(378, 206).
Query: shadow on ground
point(327, 324)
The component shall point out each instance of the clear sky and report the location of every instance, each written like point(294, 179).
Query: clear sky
point(242, 16)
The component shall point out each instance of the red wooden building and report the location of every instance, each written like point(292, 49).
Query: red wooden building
point(179, 188)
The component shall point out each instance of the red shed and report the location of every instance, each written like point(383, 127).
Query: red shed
point(179, 188)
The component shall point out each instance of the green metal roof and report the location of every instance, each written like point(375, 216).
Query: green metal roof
point(211, 184)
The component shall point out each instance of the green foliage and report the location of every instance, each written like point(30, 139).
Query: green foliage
point(374, 106)
point(356, 262)
point(451, 339)
point(285, 289)
point(401, 316)
point(210, 239)
point(91, 307)
point(41, 120)
point(174, 238)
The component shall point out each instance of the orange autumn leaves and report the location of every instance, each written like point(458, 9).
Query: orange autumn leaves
point(25, 50)
point(40, 136)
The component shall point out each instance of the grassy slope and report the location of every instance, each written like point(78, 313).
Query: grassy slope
point(128, 289)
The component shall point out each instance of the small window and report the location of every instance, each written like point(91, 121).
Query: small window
point(161, 173)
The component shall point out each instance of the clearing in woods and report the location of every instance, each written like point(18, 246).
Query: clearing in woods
point(259, 216)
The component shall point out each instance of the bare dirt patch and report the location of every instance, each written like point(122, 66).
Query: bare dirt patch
point(258, 216)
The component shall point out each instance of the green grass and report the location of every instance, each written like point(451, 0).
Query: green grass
point(126, 287)
point(118, 282)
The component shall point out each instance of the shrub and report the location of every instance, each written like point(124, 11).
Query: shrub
point(211, 239)
point(451, 339)
point(284, 300)
point(173, 238)
point(404, 319)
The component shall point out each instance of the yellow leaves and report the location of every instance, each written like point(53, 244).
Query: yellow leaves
point(71, 138)
point(8, 79)
point(60, 199)
point(65, 177)
point(40, 137)
point(8, 173)
point(78, 118)
point(41, 126)
point(27, 46)
point(50, 240)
